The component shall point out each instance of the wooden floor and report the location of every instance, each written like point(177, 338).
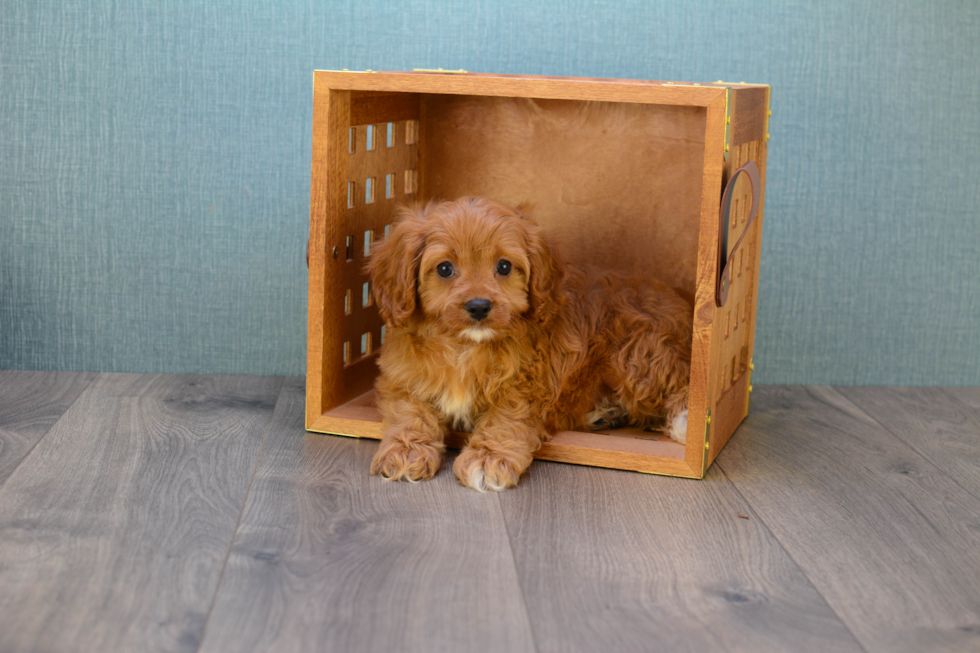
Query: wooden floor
point(194, 513)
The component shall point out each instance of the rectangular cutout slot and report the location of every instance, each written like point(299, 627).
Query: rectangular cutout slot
point(347, 302)
point(350, 248)
point(351, 139)
point(370, 138)
point(366, 294)
point(390, 141)
point(410, 177)
point(411, 132)
point(368, 240)
point(369, 190)
point(365, 344)
point(389, 186)
point(350, 194)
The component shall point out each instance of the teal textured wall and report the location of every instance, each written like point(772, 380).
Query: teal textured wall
point(154, 167)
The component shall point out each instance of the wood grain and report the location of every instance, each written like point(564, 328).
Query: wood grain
point(114, 530)
point(616, 561)
point(930, 420)
point(330, 558)
point(30, 403)
point(749, 114)
point(558, 88)
point(888, 539)
point(705, 343)
point(969, 396)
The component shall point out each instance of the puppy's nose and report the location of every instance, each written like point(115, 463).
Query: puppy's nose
point(478, 308)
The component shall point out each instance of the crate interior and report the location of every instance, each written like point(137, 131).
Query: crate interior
point(619, 185)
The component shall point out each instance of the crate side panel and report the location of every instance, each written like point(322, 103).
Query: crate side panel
point(700, 401)
point(734, 330)
point(372, 169)
point(331, 117)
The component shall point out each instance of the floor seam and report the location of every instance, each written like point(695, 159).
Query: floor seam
point(241, 513)
point(912, 447)
point(756, 515)
point(517, 574)
point(88, 385)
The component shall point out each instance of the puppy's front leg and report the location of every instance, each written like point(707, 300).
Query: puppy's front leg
point(413, 445)
point(498, 452)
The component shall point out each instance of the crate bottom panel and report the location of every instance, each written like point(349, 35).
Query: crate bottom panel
point(629, 449)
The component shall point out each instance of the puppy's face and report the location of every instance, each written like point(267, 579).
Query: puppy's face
point(471, 268)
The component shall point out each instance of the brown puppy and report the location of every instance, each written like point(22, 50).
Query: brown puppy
point(490, 333)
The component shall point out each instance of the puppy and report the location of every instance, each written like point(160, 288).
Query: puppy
point(490, 333)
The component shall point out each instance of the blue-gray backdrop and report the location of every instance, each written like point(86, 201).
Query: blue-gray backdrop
point(155, 157)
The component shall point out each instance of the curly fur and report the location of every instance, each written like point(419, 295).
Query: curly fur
point(559, 345)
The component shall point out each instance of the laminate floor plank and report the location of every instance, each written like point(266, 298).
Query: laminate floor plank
point(932, 421)
point(888, 539)
point(620, 561)
point(969, 395)
point(30, 404)
point(330, 558)
point(113, 532)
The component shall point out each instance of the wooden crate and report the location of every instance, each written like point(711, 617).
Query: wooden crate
point(628, 175)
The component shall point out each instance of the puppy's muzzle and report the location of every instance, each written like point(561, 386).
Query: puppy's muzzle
point(478, 308)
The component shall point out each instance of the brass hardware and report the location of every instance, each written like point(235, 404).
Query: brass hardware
point(728, 119)
point(707, 443)
point(748, 395)
point(441, 71)
point(347, 70)
point(336, 252)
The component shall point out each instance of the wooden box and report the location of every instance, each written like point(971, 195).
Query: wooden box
point(629, 175)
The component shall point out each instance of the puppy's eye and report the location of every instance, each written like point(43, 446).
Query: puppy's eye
point(445, 269)
point(504, 268)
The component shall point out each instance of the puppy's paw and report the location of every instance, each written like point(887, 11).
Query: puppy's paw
point(607, 415)
point(484, 469)
point(677, 429)
point(399, 458)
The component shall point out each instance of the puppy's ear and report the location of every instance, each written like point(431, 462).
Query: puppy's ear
point(545, 278)
point(394, 267)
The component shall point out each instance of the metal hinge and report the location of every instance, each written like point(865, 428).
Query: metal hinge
point(707, 443)
point(728, 119)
